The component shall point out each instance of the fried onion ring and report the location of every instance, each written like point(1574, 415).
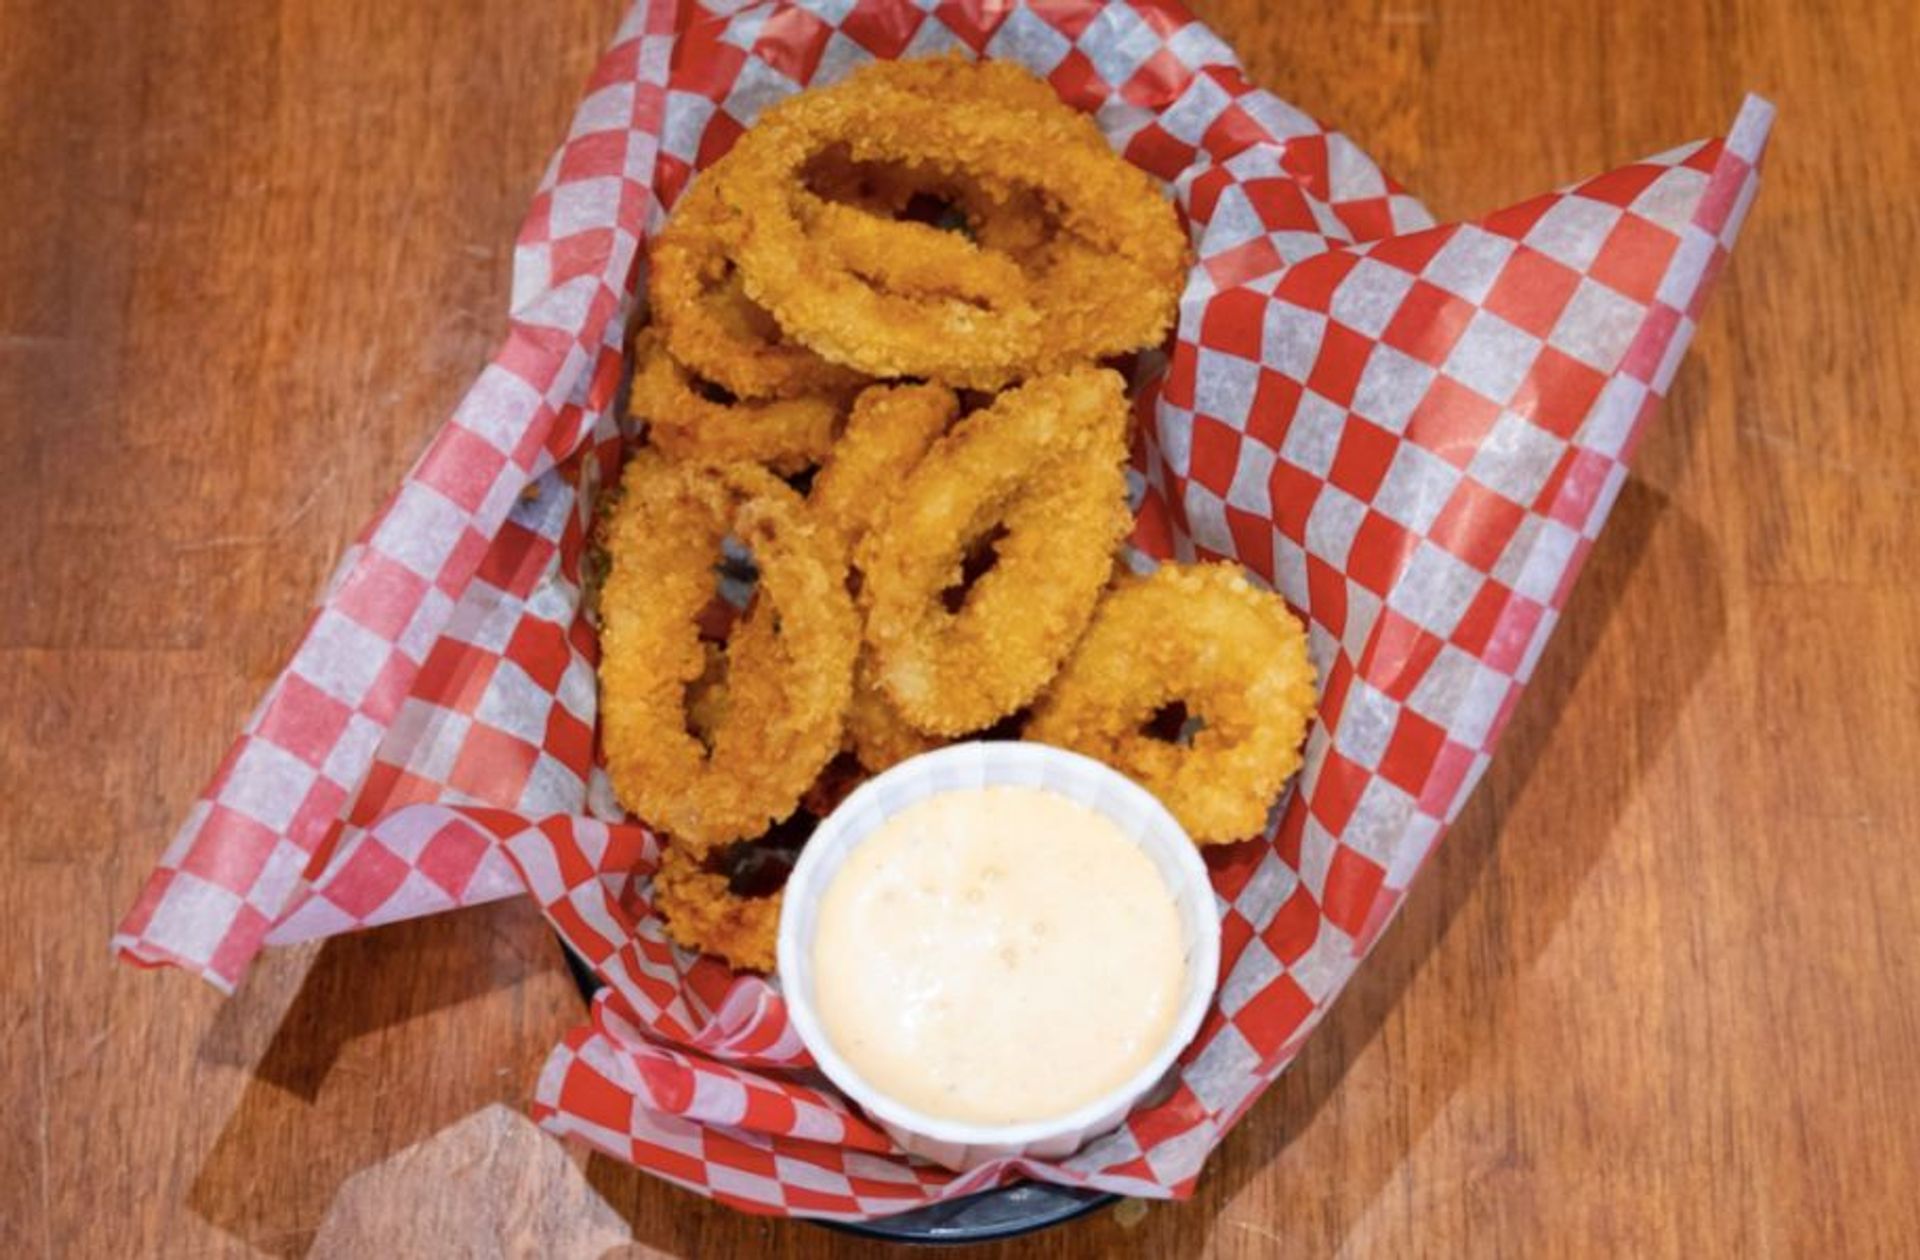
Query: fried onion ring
point(1204, 637)
point(1044, 462)
point(1013, 221)
point(1089, 300)
point(948, 324)
point(1016, 225)
point(707, 319)
point(786, 434)
point(889, 431)
point(789, 660)
point(913, 260)
point(879, 737)
point(703, 913)
point(1010, 221)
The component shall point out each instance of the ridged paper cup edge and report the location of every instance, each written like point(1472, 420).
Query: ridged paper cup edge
point(1139, 815)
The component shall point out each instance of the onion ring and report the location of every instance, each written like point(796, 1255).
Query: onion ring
point(888, 433)
point(1089, 299)
point(1045, 462)
point(916, 261)
point(1016, 225)
point(1205, 637)
point(786, 434)
point(979, 338)
point(703, 913)
point(889, 430)
point(789, 660)
point(1010, 221)
point(707, 319)
point(879, 737)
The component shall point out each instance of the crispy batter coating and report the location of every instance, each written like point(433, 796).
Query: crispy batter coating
point(879, 736)
point(889, 431)
point(785, 434)
point(707, 694)
point(708, 321)
point(1232, 654)
point(1014, 223)
point(914, 261)
point(1009, 220)
point(1044, 462)
point(1090, 297)
point(789, 660)
point(703, 913)
point(893, 301)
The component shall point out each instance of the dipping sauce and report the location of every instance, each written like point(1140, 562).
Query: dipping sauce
point(997, 955)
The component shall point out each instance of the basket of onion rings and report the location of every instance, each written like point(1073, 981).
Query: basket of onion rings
point(873, 361)
point(883, 378)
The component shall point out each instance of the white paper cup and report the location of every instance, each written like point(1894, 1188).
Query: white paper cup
point(1140, 817)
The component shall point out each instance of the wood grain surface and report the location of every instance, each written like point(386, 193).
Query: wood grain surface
point(1658, 993)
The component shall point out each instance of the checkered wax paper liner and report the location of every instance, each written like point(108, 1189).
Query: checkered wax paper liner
point(1413, 432)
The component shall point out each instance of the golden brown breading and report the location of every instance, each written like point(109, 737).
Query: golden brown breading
point(1232, 653)
point(789, 660)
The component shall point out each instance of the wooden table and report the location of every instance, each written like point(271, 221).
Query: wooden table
point(1660, 990)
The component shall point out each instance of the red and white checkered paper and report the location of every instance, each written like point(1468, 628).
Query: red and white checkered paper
point(1413, 432)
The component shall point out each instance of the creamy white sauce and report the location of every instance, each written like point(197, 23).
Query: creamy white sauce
point(997, 955)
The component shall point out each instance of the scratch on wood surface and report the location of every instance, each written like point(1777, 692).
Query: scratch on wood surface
point(1798, 451)
point(82, 1059)
point(273, 533)
point(1262, 1230)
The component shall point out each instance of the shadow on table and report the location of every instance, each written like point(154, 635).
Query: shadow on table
point(372, 1057)
point(1663, 682)
point(1611, 591)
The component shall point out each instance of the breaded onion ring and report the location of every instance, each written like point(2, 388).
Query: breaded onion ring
point(879, 737)
point(786, 434)
point(972, 336)
point(1205, 637)
point(708, 321)
point(703, 913)
point(1044, 462)
point(1090, 301)
point(1010, 221)
point(1016, 224)
point(889, 431)
point(912, 260)
point(789, 661)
